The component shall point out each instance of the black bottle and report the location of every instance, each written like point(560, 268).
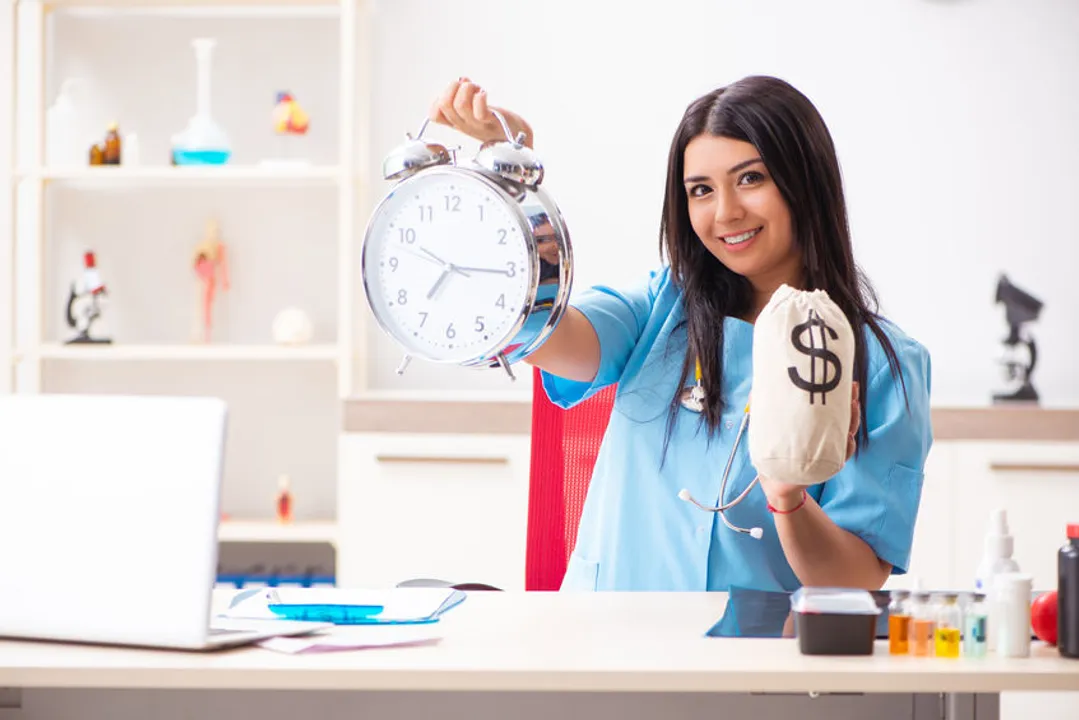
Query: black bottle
point(1068, 594)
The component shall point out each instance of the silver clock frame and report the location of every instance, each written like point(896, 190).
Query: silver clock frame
point(513, 173)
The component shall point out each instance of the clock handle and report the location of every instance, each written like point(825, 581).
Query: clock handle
point(519, 140)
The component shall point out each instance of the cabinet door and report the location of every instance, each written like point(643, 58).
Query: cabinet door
point(449, 507)
point(1037, 483)
point(931, 562)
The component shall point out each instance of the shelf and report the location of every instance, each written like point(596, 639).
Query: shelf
point(121, 352)
point(180, 4)
point(270, 531)
point(169, 175)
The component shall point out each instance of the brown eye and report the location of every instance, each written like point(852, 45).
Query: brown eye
point(699, 190)
point(750, 178)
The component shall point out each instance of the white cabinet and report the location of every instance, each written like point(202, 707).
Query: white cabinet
point(451, 507)
point(932, 565)
point(1036, 483)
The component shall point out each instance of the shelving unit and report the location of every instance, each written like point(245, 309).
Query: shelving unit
point(143, 220)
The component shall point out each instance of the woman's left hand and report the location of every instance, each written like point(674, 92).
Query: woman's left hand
point(784, 496)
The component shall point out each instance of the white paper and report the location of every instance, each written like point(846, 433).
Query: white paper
point(354, 637)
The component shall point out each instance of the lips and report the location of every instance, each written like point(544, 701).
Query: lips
point(740, 240)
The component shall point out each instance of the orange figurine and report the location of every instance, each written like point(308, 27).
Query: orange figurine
point(288, 117)
point(211, 266)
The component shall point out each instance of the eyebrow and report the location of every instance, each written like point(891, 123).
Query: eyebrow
point(740, 166)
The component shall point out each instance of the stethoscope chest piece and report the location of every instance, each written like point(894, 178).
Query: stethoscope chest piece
point(693, 398)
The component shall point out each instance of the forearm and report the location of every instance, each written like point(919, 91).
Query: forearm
point(823, 554)
point(572, 351)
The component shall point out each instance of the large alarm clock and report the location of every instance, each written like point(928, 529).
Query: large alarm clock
point(466, 263)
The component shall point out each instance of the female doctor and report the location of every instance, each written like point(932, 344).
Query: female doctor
point(753, 200)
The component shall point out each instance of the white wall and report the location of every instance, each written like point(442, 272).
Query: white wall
point(955, 122)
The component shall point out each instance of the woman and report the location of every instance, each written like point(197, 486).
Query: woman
point(753, 200)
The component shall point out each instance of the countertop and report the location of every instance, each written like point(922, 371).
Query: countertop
point(512, 415)
point(548, 642)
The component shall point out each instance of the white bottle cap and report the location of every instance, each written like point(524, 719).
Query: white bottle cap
point(1017, 586)
point(998, 543)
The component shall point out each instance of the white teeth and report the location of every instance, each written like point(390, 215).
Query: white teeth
point(739, 239)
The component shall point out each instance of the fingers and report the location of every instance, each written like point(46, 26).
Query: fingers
point(462, 101)
point(479, 106)
point(443, 110)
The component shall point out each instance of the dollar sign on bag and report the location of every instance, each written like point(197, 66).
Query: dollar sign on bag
point(829, 359)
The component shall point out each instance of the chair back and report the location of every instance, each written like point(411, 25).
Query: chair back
point(565, 444)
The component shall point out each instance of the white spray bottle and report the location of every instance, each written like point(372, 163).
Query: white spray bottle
point(996, 559)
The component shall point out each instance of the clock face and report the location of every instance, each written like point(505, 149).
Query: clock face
point(447, 267)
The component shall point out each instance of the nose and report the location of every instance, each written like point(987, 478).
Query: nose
point(728, 209)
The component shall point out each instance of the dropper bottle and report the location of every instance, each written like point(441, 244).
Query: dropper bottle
point(996, 560)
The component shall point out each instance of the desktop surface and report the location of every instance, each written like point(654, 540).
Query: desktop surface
point(549, 642)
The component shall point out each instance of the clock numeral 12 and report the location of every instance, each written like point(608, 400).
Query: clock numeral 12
point(453, 203)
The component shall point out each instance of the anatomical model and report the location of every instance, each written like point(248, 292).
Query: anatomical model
point(211, 268)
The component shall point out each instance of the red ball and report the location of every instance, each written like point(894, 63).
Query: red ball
point(1043, 617)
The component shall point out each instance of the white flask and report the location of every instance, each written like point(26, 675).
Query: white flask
point(62, 129)
point(996, 560)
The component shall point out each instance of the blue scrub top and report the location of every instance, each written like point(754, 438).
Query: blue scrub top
point(636, 534)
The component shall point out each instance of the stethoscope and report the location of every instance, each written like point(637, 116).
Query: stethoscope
point(693, 400)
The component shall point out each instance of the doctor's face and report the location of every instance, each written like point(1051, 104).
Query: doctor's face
point(737, 211)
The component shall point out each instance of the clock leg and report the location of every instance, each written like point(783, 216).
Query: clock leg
point(506, 365)
point(404, 364)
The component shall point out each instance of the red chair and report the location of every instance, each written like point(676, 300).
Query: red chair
point(565, 444)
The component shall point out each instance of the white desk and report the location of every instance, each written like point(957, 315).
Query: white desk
point(544, 643)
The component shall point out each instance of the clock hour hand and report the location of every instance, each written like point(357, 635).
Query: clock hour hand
point(439, 283)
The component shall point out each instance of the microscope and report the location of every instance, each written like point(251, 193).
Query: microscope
point(1020, 354)
point(84, 303)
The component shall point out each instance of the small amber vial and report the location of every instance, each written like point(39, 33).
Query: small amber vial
point(947, 633)
point(922, 624)
point(112, 145)
point(899, 623)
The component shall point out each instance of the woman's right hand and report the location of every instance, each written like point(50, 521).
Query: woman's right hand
point(463, 106)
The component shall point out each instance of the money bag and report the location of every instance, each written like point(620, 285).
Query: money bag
point(800, 406)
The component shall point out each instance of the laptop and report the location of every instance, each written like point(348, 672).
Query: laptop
point(109, 508)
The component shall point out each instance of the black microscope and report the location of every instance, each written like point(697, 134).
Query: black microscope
point(1020, 308)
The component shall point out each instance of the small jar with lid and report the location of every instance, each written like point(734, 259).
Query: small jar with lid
point(947, 632)
point(922, 624)
point(975, 626)
point(899, 623)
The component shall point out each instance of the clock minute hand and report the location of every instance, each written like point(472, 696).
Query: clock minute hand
point(496, 271)
point(447, 266)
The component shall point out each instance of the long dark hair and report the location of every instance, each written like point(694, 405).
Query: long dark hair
point(796, 147)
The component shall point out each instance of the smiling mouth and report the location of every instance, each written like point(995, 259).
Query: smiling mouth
point(740, 237)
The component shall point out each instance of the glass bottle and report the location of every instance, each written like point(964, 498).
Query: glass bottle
point(975, 623)
point(899, 623)
point(922, 623)
point(112, 146)
point(949, 623)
